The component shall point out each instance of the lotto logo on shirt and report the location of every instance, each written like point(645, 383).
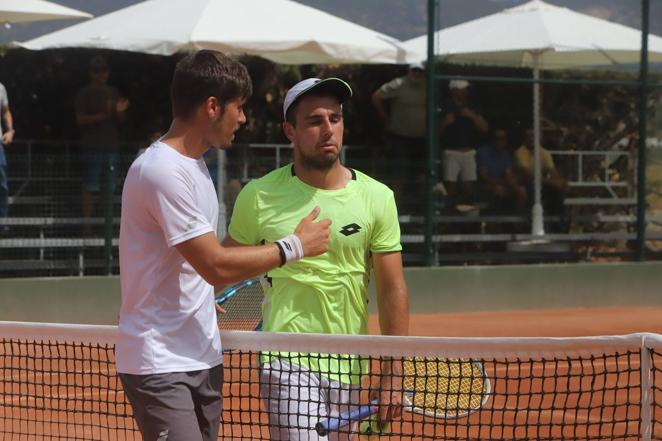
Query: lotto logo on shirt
point(350, 229)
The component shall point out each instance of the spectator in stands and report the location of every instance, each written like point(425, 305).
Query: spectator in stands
point(496, 175)
point(553, 185)
point(400, 105)
point(460, 132)
point(6, 138)
point(99, 108)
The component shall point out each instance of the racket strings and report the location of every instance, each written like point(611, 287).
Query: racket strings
point(444, 387)
point(243, 307)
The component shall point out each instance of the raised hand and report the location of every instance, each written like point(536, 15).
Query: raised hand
point(314, 236)
point(121, 105)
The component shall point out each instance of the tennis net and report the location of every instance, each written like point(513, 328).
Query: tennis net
point(58, 383)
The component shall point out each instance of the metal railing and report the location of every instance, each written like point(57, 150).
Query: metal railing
point(603, 178)
point(52, 240)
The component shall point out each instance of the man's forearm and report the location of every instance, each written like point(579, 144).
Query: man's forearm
point(91, 118)
point(9, 120)
point(378, 105)
point(481, 124)
point(394, 311)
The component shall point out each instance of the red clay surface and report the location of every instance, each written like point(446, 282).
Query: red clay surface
point(535, 323)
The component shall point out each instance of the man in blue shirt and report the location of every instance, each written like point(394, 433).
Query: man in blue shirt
point(497, 182)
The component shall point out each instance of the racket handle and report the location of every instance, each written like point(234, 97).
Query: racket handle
point(326, 425)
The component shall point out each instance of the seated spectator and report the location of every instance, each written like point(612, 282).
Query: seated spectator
point(496, 178)
point(553, 184)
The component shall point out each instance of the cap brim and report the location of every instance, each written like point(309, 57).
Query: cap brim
point(335, 86)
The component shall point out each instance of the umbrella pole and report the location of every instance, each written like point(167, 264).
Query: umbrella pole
point(537, 224)
point(640, 253)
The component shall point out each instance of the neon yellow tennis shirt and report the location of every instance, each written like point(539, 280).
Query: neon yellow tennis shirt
point(328, 293)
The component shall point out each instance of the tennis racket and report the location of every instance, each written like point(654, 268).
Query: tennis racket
point(435, 387)
point(243, 306)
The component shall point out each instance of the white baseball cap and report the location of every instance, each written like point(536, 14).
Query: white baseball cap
point(458, 84)
point(335, 87)
point(417, 65)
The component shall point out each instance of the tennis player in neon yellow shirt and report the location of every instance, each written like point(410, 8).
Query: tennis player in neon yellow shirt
point(328, 293)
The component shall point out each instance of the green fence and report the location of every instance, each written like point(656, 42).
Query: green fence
point(50, 232)
point(635, 98)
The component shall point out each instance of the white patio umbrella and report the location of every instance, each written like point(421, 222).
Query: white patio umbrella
point(21, 11)
point(539, 36)
point(280, 30)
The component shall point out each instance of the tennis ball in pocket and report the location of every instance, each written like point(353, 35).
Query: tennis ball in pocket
point(372, 426)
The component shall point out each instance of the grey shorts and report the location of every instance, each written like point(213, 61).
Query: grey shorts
point(297, 398)
point(176, 406)
point(459, 165)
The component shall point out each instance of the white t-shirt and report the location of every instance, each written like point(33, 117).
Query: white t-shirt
point(4, 102)
point(167, 319)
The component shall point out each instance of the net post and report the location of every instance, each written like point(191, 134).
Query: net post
point(646, 387)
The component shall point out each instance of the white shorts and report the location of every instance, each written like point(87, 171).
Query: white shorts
point(459, 164)
point(297, 398)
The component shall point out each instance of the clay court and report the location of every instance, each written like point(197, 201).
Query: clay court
point(536, 322)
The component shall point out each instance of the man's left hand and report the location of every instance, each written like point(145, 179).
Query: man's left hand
point(8, 137)
point(389, 396)
point(467, 113)
point(121, 105)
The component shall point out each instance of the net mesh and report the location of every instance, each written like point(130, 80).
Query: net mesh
point(58, 383)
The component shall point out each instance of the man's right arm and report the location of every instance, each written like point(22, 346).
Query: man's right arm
point(83, 119)
point(222, 265)
point(378, 104)
point(8, 134)
point(446, 121)
point(484, 176)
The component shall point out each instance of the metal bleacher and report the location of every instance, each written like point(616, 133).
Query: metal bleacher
point(600, 209)
point(46, 235)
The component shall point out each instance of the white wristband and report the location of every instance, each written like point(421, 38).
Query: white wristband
point(291, 246)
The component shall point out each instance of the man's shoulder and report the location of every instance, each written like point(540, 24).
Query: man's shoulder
point(521, 150)
point(393, 84)
point(159, 163)
point(371, 184)
point(274, 177)
point(274, 181)
point(3, 95)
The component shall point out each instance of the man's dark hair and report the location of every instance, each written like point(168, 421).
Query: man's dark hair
point(291, 115)
point(207, 73)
